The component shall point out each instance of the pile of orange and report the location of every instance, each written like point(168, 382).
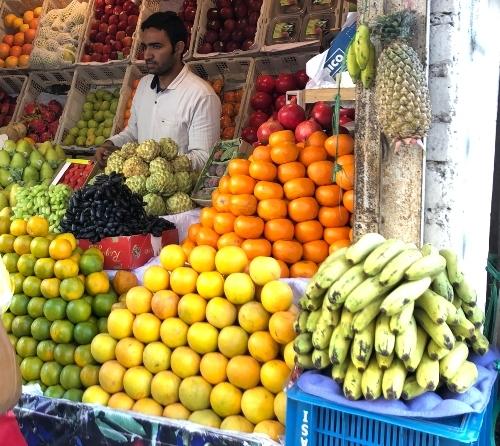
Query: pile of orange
point(16, 47)
point(126, 116)
point(292, 201)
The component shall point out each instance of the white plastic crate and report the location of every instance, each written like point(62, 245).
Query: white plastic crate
point(260, 34)
point(86, 79)
point(14, 85)
point(236, 74)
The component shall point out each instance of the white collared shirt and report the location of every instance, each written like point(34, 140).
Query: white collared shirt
point(188, 111)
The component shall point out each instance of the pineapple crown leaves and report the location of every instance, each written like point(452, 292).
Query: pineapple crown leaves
point(397, 26)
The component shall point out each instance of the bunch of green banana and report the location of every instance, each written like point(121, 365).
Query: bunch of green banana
point(360, 58)
point(390, 320)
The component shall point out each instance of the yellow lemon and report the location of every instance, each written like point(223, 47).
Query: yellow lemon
point(276, 296)
point(191, 308)
point(37, 226)
point(120, 323)
point(264, 269)
point(70, 238)
point(103, 348)
point(156, 357)
point(18, 227)
point(95, 395)
point(172, 257)
point(173, 332)
point(156, 278)
point(183, 280)
point(210, 284)
point(239, 288)
point(220, 312)
point(138, 300)
point(231, 259)
point(137, 382)
point(146, 327)
point(202, 258)
point(128, 352)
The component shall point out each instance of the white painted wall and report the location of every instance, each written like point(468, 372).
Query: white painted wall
point(464, 73)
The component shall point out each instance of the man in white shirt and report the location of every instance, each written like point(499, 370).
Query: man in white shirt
point(171, 101)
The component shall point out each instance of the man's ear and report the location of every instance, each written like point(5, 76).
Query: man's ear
point(180, 47)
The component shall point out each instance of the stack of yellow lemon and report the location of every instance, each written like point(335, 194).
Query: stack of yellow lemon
point(208, 338)
point(61, 301)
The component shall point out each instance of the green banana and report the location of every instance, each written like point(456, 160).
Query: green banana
point(435, 351)
point(303, 343)
point(406, 342)
point(434, 305)
point(332, 273)
point(481, 344)
point(427, 266)
point(457, 302)
point(428, 373)
point(399, 322)
point(403, 294)
point(333, 306)
point(451, 363)
point(442, 286)
point(371, 381)
point(335, 255)
point(394, 271)
point(346, 323)
point(304, 361)
point(320, 359)
point(352, 383)
point(466, 292)
point(352, 63)
point(384, 339)
point(300, 323)
point(461, 326)
point(358, 251)
point(382, 255)
point(411, 389)
point(455, 275)
point(364, 317)
point(364, 293)
point(313, 319)
point(465, 378)
point(339, 291)
point(321, 336)
point(338, 348)
point(328, 316)
point(368, 73)
point(413, 361)
point(362, 347)
point(474, 314)
point(303, 302)
point(339, 371)
point(384, 362)
point(394, 380)
point(428, 250)
point(440, 333)
point(362, 47)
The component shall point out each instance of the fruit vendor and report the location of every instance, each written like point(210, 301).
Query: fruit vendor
point(170, 101)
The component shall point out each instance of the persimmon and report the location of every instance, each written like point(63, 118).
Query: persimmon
point(224, 222)
point(310, 154)
point(263, 170)
point(304, 268)
point(289, 171)
point(333, 217)
point(317, 138)
point(302, 209)
point(271, 209)
point(207, 217)
point(224, 184)
point(331, 235)
point(330, 195)
point(284, 152)
point(321, 172)
point(348, 200)
point(221, 202)
point(265, 190)
point(238, 166)
point(261, 153)
point(257, 247)
point(281, 136)
point(248, 227)
point(299, 187)
point(193, 231)
point(241, 184)
point(308, 231)
point(344, 176)
point(229, 239)
point(243, 204)
point(290, 251)
point(315, 251)
point(338, 245)
point(207, 236)
point(338, 145)
point(279, 229)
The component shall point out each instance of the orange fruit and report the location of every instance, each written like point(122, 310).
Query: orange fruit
point(262, 346)
point(60, 249)
point(4, 50)
point(213, 367)
point(29, 35)
point(243, 372)
point(19, 39)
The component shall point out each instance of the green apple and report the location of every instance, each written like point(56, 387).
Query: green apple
point(99, 94)
point(97, 105)
point(99, 116)
point(99, 130)
point(74, 131)
point(99, 140)
point(92, 124)
point(69, 140)
point(114, 105)
point(83, 132)
point(108, 122)
point(80, 141)
point(108, 114)
point(106, 132)
point(91, 97)
point(88, 106)
point(105, 106)
point(107, 96)
point(81, 124)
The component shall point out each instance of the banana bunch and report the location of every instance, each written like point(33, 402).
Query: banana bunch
point(390, 320)
point(360, 58)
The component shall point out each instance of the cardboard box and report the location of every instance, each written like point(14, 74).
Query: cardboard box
point(131, 251)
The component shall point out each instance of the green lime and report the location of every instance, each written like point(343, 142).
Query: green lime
point(54, 392)
point(45, 350)
point(17, 280)
point(102, 304)
point(90, 263)
point(83, 356)
point(61, 332)
point(50, 373)
point(78, 311)
point(70, 377)
point(30, 368)
point(73, 395)
point(35, 306)
point(26, 264)
point(102, 325)
point(19, 304)
point(31, 286)
point(54, 309)
point(21, 326)
point(84, 332)
point(88, 299)
point(40, 329)
point(13, 340)
point(64, 353)
point(26, 347)
point(44, 268)
point(10, 261)
point(90, 375)
point(7, 319)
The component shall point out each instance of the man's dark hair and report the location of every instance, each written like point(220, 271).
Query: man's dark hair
point(169, 22)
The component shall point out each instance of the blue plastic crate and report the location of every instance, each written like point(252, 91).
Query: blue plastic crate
point(313, 421)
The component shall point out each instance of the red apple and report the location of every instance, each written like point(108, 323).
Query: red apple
point(113, 55)
point(100, 37)
point(108, 39)
point(117, 10)
point(98, 47)
point(99, 4)
point(132, 20)
point(120, 35)
point(117, 45)
point(108, 9)
point(224, 35)
point(241, 11)
point(92, 35)
point(112, 29)
point(190, 13)
point(229, 25)
point(122, 26)
point(247, 44)
point(218, 46)
point(95, 25)
point(130, 30)
point(227, 13)
point(113, 19)
point(106, 49)
point(96, 57)
point(127, 42)
point(123, 16)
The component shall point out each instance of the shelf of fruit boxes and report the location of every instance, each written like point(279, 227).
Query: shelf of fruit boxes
point(86, 79)
point(40, 83)
point(17, 7)
point(88, 29)
point(151, 6)
point(235, 73)
point(133, 73)
point(260, 33)
point(50, 5)
point(12, 85)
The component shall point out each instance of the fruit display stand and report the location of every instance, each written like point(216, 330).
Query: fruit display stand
point(14, 86)
point(310, 96)
point(86, 79)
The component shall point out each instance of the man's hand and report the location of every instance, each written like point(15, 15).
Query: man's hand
point(102, 153)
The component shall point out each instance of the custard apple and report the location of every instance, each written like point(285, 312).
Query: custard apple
point(160, 165)
point(114, 163)
point(161, 183)
point(168, 148)
point(179, 202)
point(184, 183)
point(137, 184)
point(128, 150)
point(154, 205)
point(181, 164)
point(135, 166)
point(148, 150)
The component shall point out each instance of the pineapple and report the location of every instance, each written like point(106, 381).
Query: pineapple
point(401, 92)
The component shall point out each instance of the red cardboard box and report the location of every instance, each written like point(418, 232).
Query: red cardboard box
point(131, 251)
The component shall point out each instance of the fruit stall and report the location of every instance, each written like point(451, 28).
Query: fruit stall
point(246, 302)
